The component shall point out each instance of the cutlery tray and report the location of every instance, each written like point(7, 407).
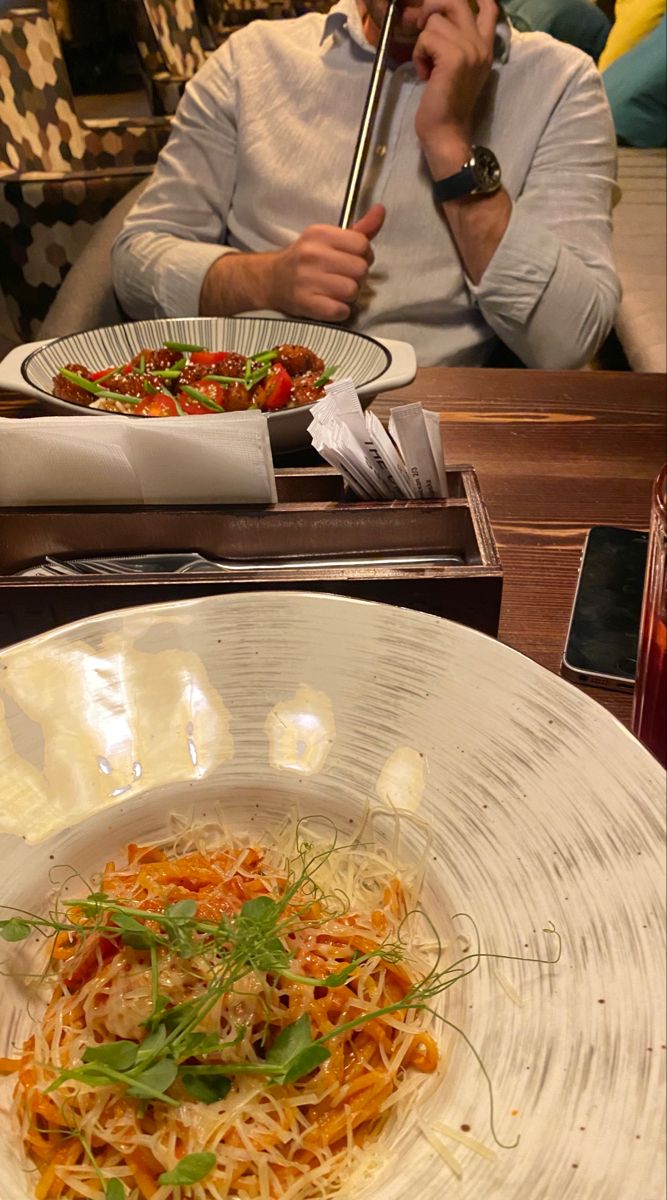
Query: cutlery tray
point(314, 517)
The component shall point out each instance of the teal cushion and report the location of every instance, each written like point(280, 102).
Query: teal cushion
point(577, 22)
point(635, 86)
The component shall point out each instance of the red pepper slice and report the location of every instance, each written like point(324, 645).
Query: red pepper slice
point(158, 405)
point(274, 391)
point(209, 357)
point(94, 375)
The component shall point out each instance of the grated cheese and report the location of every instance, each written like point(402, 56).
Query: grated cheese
point(458, 1135)
point(439, 1146)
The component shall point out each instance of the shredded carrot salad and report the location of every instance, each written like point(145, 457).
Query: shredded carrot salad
point(221, 1025)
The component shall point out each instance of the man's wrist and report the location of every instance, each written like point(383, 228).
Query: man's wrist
point(446, 156)
point(236, 283)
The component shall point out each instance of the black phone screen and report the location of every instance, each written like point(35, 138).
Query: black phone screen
point(604, 630)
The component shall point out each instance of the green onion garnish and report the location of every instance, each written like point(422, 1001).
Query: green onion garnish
point(141, 369)
point(183, 346)
point(107, 375)
point(258, 376)
point(266, 356)
point(101, 393)
point(104, 395)
point(205, 400)
point(88, 385)
point(149, 387)
point(326, 376)
point(170, 373)
point(223, 379)
point(179, 410)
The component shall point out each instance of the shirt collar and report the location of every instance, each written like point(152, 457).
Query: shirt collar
point(346, 14)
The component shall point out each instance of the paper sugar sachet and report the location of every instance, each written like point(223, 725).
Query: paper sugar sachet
point(417, 435)
point(356, 443)
point(367, 450)
point(338, 421)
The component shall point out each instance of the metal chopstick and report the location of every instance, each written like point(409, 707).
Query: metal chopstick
point(368, 118)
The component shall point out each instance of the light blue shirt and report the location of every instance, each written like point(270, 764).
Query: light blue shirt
point(262, 146)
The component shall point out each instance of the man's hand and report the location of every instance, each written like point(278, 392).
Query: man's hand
point(318, 276)
point(454, 56)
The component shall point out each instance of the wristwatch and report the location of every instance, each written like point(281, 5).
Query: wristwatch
point(479, 176)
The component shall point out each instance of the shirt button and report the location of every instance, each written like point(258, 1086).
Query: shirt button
point(381, 150)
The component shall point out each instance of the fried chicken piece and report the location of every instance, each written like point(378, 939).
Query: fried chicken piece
point(304, 390)
point(133, 385)
point(157, 360)
point(64, 389)
point(299, 360)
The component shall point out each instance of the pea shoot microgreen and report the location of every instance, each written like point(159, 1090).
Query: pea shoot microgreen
point(114, 1190)
point(190, 1169)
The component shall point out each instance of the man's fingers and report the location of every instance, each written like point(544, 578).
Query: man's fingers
point(371, 223)
point(340, 287)
point(339, 241)
point(438, 34)
point(323, 308)
point(458, 12)
point(327, 261)
point(487, 21)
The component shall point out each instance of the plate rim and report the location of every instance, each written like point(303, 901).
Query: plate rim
point(590, 704)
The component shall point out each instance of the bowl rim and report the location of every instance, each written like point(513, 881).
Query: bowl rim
point(272, 416)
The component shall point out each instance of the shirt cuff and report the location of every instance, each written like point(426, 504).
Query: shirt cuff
point(520, 270)
point(181, 275)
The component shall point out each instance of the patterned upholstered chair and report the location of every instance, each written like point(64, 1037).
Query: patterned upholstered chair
point(225, 16)
point(169, 39)
point(58, 176)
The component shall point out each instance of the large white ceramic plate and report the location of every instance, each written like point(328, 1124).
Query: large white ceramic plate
point(374, 366)
point(542, 808)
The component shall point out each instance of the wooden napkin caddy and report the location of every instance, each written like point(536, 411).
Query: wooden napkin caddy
point(314, 516)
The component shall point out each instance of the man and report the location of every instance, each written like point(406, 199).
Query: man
point(241, 213)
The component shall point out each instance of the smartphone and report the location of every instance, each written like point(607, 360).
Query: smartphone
point(602, 640)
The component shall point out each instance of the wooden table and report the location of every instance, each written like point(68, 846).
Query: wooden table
point(556, 452)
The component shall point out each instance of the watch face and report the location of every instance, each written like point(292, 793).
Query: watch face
point(487, 170)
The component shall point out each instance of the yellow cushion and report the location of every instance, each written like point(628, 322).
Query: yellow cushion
point(634, 19)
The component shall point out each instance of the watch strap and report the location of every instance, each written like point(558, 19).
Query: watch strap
point(461, 184)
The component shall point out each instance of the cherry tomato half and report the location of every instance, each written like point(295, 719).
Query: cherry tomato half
point(192, 407)
point(273, 392)
point(158, 405)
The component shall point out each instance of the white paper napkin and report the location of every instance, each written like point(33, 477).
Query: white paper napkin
point(110, 460)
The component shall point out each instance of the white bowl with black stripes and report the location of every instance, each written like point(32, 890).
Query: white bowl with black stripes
point(374, 365)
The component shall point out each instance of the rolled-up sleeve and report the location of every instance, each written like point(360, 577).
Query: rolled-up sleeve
point(177, 228)
point(551, 291)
